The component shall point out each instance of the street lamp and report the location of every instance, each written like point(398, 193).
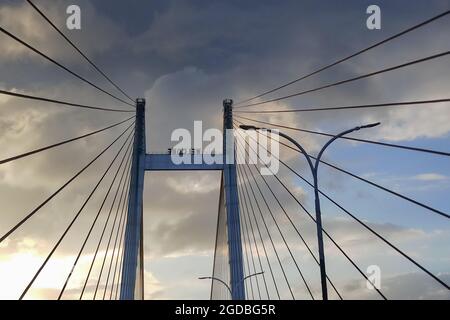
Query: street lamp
point(314, 169)
point(225, 284)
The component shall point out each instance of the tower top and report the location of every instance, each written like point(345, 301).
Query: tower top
point(140, 101)
point(227, 102)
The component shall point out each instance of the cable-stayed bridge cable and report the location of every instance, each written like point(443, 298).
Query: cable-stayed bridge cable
point(78, 50)
point(250, 223)
point(366, 225)
point(96, 218)
point(351, 107)
point(9, 34)
point(105, 227)
point(119, 273)
point(399, 146)
point(29, 153)
point(70, 104)
point(74, 219)
point(417, 26)
point(246, 226)
point(324, 231)
point(290, 252)
point(260, 236)
point(29, 215)
point(358, 220)
point(397, 194)
point(338, 83)
point(307, 286)
point(122, 239)
point(116, 215)
point(247, 260)
point(272, 243)
point(120, 225)
point(289, 219)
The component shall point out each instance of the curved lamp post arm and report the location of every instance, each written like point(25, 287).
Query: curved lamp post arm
point(217, 279)
point(313, 167)
point(252, 275)
point(281, 134)
point(319, 156)
point(249, 276)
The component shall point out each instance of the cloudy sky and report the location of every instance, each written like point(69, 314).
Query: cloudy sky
point(185, 57)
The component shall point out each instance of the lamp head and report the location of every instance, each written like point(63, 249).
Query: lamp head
point(371, 125)
point(248, 127)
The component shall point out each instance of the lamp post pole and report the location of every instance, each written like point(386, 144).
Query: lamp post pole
point(314, 170)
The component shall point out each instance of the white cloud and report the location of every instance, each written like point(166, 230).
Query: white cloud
point(406, 286)
point(430, 177)
point(186, 185)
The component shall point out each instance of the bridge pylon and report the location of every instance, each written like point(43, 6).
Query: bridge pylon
point(132, 281)
point(231, 203)
point(132, 284)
